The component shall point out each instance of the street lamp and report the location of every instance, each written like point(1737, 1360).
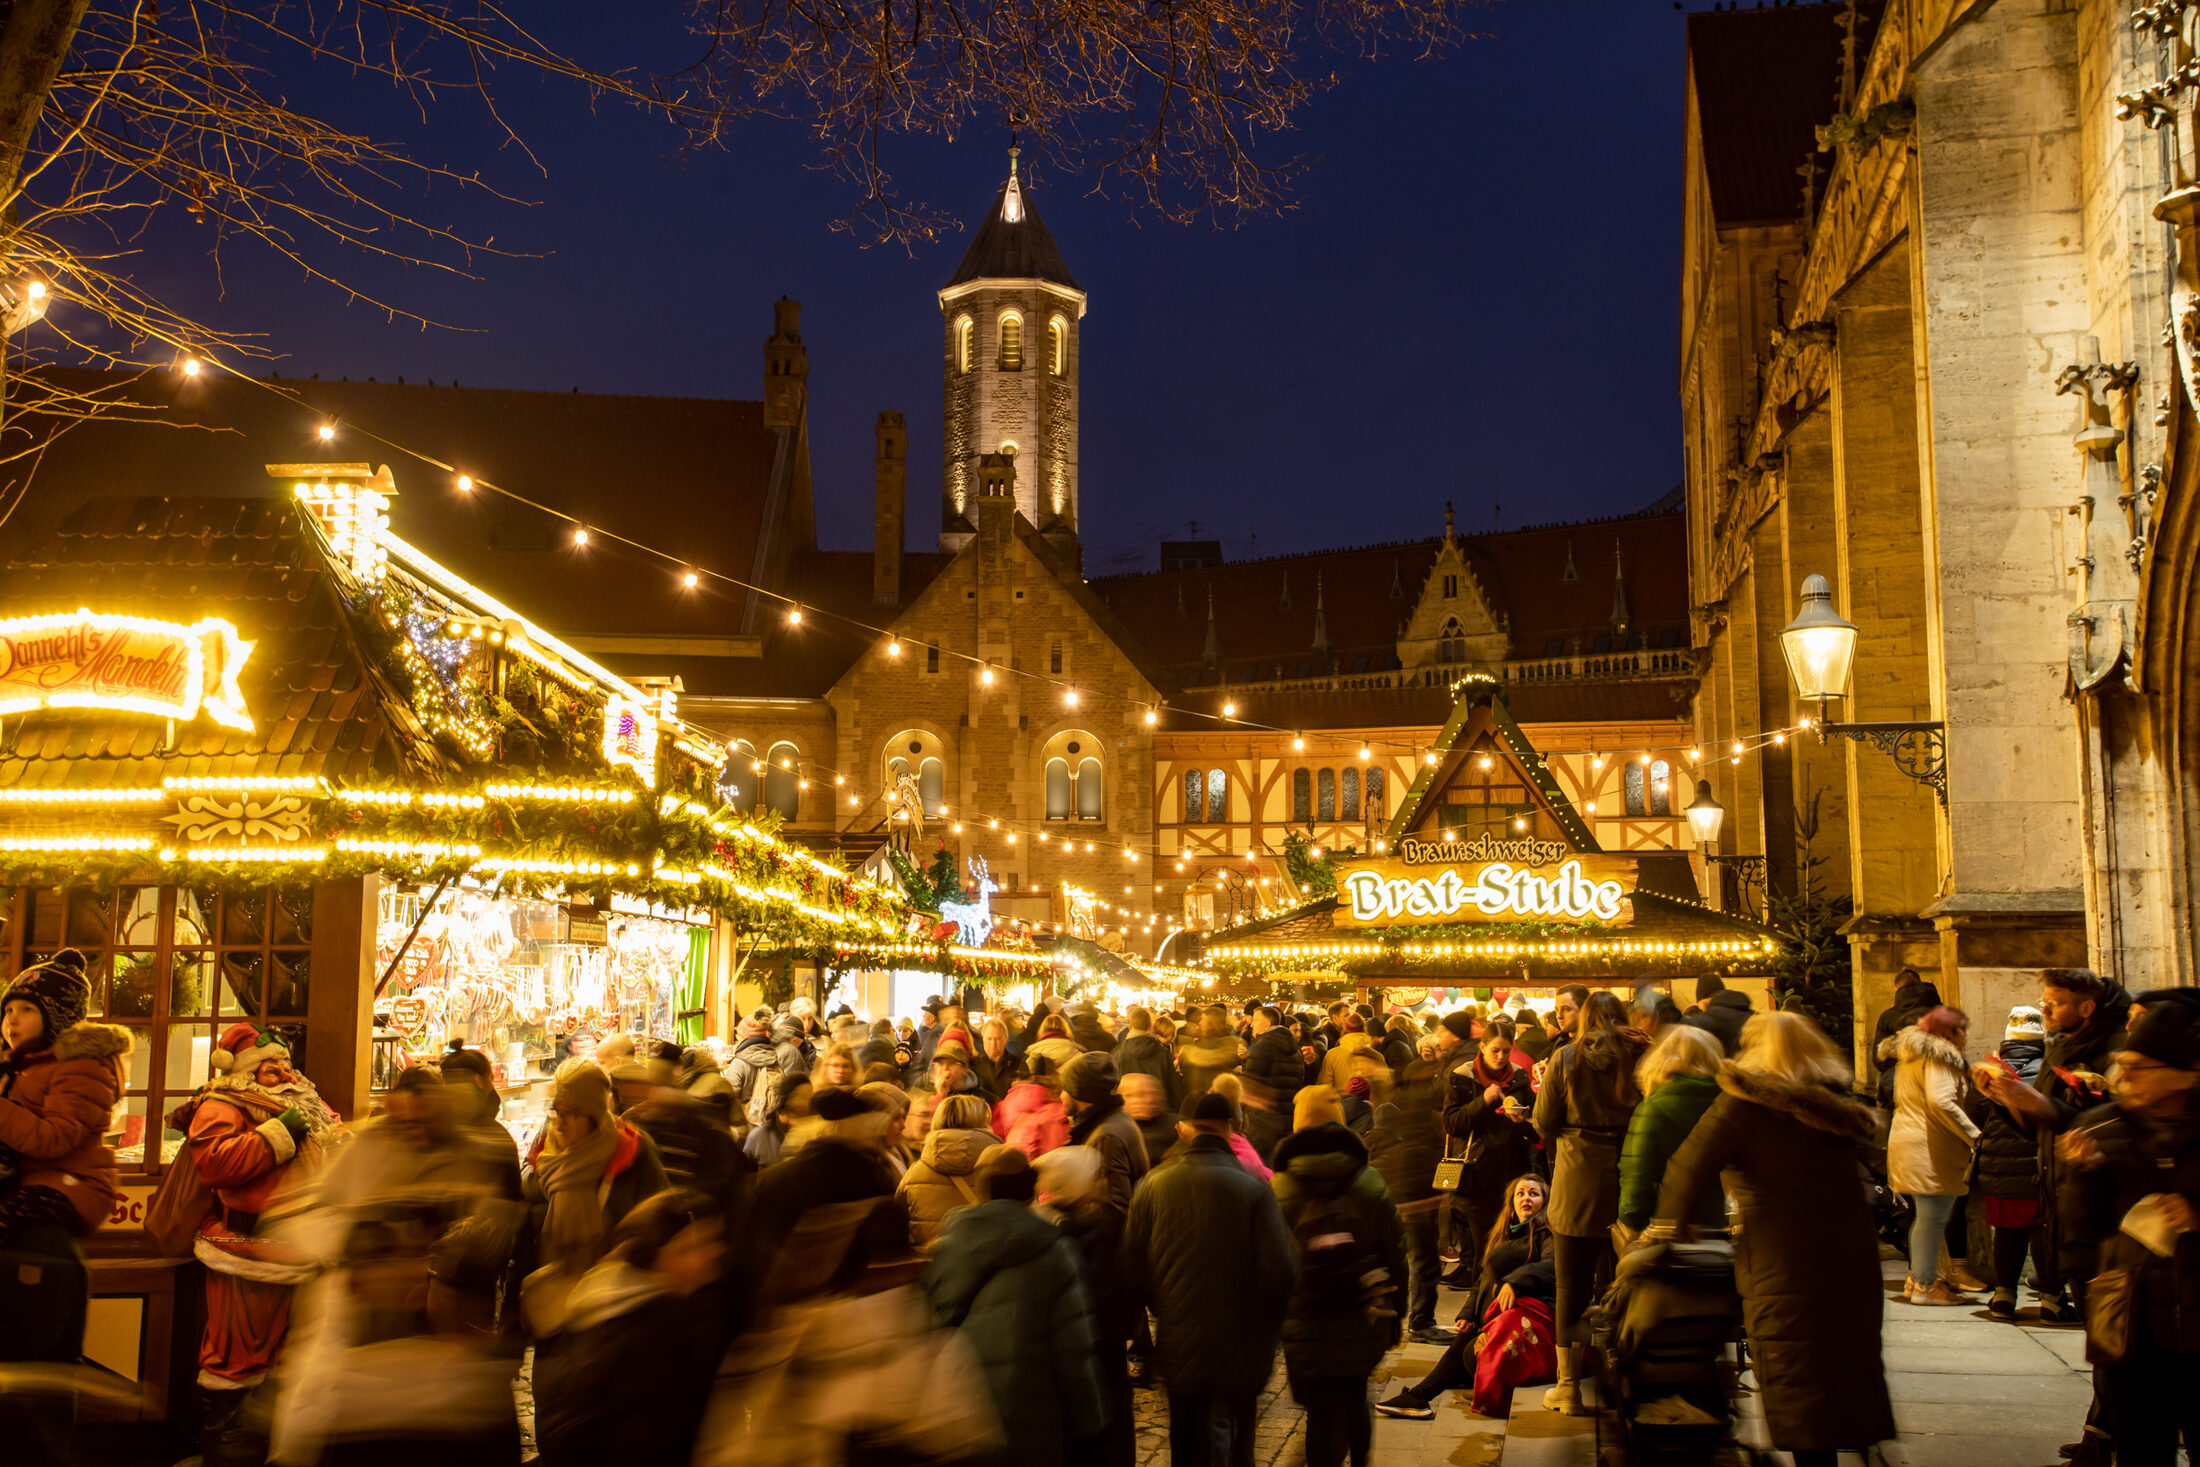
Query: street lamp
point(1820, 646)
point(1705, 814)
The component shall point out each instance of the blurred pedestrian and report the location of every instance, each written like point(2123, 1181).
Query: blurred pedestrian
point(1720, 1012)
point(1272, 1075)
point(835, 1068)
point(1145, 1101)
point(700, 1076)
point(1679, 1079)
point(1232, 1089)
point(1203, 1229)
point(1787, 1139)
point(1054, 1044)
point(1143, 1052)
point(1031, 1116)
point(787, 1100)
point(1346, 1302)
point(1404, 1143)
point(584, 1174)
point(943, 1176)
point(1212, 1050)
point(1009, 1281)
point(1929, 1144)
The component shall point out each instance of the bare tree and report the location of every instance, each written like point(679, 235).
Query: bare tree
point(1174, 100)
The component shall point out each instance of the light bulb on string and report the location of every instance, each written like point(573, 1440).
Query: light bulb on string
point(1366, 753)
point(1298, 743)
point(794, 616)
point(691, 580)
point(327, 432)
point(1229, 710)
point(580, 535)
point(190, 366)
point(1069, 698)
point(1152, 717)
point(985, 675)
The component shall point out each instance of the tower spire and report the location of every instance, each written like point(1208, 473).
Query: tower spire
point(1321, 619)
point(1213, 652)
point(1623, 620)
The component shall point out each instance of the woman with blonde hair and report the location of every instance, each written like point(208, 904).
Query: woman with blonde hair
point(1679, 1079)
point(1929, 1145)
point(1054, 1044)
point(836, 1069)
point(1789, 1137)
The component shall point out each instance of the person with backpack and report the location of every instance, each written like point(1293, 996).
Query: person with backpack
point(1346, 1304)
point(750, 1071)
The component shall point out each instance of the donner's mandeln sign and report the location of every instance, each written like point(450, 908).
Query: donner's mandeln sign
point(1488, 879)
point(132, 664)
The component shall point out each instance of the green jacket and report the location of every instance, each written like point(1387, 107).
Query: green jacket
point(1656, 1130)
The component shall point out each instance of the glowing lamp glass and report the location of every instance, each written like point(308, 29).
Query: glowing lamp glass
point(1705, 814)
point(1819, 644)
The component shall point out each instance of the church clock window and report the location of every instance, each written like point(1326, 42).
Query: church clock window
point(1012, 343)
point(1218, 795)
point(1057, 346)
point(1349, 796)
point(1302, 796)
point(1058, 791)
point(966, 344)
point(1195, 796)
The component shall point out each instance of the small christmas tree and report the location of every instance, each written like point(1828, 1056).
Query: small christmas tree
point(945, 878)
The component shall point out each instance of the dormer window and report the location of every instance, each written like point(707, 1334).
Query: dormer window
point(1012, 343)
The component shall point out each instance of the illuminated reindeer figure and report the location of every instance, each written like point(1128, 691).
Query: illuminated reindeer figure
point(974, 918)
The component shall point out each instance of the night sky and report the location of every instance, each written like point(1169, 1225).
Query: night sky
point(1474, 300)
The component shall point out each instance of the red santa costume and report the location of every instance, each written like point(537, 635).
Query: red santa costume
point(257, 1147)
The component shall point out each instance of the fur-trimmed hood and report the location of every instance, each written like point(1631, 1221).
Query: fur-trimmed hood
point(1818, 1106)
point(87, 1040)
point(1914, 1043)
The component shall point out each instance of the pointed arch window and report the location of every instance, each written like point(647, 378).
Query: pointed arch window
point(1057, 346)
point(1375, 809)
point(1348, 804)
point(741, 779)
point(1325, 795)
point(1218, 796)
point(1195, 796)
point(1302, 796)
point(1451, 644)
point(1012, 342)
point(783, 780)
point(966, 345)
point(1058, 789)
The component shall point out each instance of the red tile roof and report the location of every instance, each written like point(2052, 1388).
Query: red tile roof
point(1765, 79)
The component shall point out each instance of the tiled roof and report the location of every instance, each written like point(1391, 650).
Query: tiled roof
point(1765, 79)
point(683, 473)
point(1005, 249)
point(318, 703)
point(1524, 571)
point(805, 661)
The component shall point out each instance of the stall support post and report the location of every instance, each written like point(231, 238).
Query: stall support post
point(340, 1005)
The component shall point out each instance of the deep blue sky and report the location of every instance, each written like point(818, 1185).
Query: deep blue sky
point(1474, 299)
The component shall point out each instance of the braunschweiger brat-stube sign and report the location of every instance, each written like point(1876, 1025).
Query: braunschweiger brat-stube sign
point(1488, 879)
point(87, 659)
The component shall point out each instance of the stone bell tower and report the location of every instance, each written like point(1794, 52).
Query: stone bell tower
point(1012, 318)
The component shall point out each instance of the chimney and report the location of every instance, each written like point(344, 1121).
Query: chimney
point(892, 470)
point(786, 366)
point(997, 496)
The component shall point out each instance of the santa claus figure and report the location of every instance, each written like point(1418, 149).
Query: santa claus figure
point(258, 1134)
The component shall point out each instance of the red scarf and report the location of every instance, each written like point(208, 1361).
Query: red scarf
point(1502, 1079)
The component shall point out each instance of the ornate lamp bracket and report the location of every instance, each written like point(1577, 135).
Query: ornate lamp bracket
point(1919, 750)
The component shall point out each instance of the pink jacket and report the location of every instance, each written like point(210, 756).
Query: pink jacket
point(1250, 1157)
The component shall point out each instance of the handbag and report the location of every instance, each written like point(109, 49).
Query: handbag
point(1452, 1169)
point(2111, 1315)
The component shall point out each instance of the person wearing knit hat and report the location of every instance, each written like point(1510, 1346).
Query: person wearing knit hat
point(2025, 1023)
point(60, 1078)
point(2006, 1173)
point(586, 1171)
point(1316, 1105)
point(1459, 1025)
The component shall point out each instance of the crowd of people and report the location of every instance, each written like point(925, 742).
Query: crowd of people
point(969, 1237)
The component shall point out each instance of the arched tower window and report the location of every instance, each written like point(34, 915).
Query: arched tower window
point(1072, 760)
point(1218, 795)
point(1325, 795)
point(739, 785)
point(1058, 793)
point(1090, 800)
point(1012, 342)
point(1057, 346)
point(1348, 806)
point(1195, 796)
point(783, 779)
point(966, 344)
point(932, 787)
point(1302, 796)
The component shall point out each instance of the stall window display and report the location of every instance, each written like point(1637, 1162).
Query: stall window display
point(529, 982)
point(174, 965)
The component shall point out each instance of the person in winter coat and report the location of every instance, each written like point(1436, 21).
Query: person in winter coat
point(60, 1077)
point(1679, 1079)
point(751, 1070)
point(2131, 1177)
point(1212, 1051)
point(1404, 1143)
point(1914, 998)
point(1720, 1012)
point(1008, 1280)
point(942, 1178)
point(585, 1172)
point(1355, 1054)
point(1929, 1144)
point(1232, 1090)
point(1031, 1116)
point(624, 1373)
point(1087, 1030)
point(1054, 1044)
point(878, 1048)
point(1139, 1052)
point(1145, 1101)
point(1508, 1313)
point(1582, 1113)
point(2009, 1166)
point(1789, 1141)
point(787, 1101)
point(1346, 1306)
point(1486, 1107)
point(1533, 1039)
point(1272, 1075)
point(1203, 1229)
point(698, 1074)
point(1398, 1046)
point(995, 1068)
point(843, 1161)
point(1097, 1121)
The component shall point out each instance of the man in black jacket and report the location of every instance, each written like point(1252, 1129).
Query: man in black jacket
point(1273, 1074)
point(1139, 1053)
point(1913, 999)
point(1096, 1119)
point(1207, 1251)
point(1721, 1012)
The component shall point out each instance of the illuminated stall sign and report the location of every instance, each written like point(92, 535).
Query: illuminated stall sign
point(630, 736)
point(1487, 880)
point(129, 664)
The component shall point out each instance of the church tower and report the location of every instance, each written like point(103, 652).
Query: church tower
point(1012, 318)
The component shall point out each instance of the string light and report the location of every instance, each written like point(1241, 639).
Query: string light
point(328, 432)
point(794, 616)
point(691, 580)
point(1229, 710)
point(985, 675)
point(1152, 718)
point(1069, 697)
point(893, 648)
point(580, 536)
point(190, 366)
